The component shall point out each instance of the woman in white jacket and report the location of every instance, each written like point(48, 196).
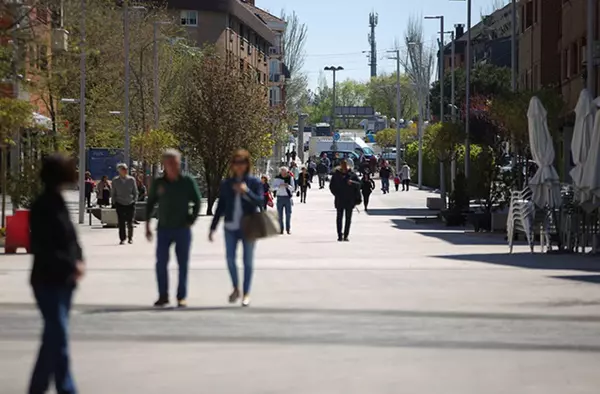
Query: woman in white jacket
point(284, 186)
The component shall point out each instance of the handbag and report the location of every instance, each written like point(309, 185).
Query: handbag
point(259, 225)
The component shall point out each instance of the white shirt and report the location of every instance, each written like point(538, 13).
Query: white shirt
point(236, 219)
point(405, 172)
point(282, 190)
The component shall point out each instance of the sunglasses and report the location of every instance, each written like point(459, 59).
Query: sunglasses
point(239, 162)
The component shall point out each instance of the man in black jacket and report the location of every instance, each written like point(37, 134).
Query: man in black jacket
point(322, 170)
point(344, 186)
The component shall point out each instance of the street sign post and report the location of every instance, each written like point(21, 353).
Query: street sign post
point(336, 136)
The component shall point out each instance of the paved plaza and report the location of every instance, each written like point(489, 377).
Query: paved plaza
point(402, 308)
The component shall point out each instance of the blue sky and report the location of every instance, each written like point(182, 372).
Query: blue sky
point(337, 29)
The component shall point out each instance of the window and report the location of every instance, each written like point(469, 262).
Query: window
point(535, 11)
point(189, 18)
point(528, 14)
point(274, 96)
point(574, 57)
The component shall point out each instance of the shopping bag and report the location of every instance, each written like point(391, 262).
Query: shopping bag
point(259, 225)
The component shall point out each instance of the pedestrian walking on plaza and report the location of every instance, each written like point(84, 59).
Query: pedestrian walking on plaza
point(295, 171)
point(322, 171)
point(284, 186)
point(267, 195)
point(103, 191)
point(312, 168)
point(385, 173)
point(304, 183)
point(397, 182)
point(287, 157)
point(405, 176)
point(173, 192)
point(90, 185)
point(345, 186)
point(373, 165)
point(240, 195)
point(367, 185)
point(124, 197)
point(142, 190)
point(293, 155)
point(57, 268)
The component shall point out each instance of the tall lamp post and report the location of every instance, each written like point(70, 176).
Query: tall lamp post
point(398, 109)
point(441, 68)
point(333, 69)
point(468, 92)
point(419, 88)
point(127, 146)
point(82, 81)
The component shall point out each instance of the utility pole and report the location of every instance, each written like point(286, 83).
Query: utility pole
point(453, 105)
point(442, 104)
point(82, 153)
point(468, 94)
point(300, 148)
point(513, 49)
point(398, 110)
point(126, 50)
point(373, 21)
point(591, 40)
point(333, 69)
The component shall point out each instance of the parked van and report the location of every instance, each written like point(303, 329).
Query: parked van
point(347, 142)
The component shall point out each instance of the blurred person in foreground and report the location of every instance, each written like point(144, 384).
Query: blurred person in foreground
point(174, 192)
point(344, 186)
point(240, 195)
point(124, 197)
point(57, 268)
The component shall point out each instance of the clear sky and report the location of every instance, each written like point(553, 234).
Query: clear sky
point(338, 29)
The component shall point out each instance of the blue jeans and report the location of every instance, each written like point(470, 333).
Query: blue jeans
point(385, 184)
point(182, 238)
point(54, 303)
point(232, 239)
point(284, 203)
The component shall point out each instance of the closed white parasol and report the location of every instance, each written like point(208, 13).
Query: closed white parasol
point(582, 136)
point(545, 184)
point(590, 182)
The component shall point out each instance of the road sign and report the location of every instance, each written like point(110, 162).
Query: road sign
point(336, 136)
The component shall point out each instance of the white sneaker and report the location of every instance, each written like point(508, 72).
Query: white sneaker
point(246, 300)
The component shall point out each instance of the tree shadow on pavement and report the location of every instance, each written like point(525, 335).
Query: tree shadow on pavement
point(405, 224)
point(594, 279)
point(536, 261)
point(460, 238)
point(401, 212)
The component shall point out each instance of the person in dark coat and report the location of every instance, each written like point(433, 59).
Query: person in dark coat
point(344, 186)
point(303, 182)
point(367, 185)
point(57, 268)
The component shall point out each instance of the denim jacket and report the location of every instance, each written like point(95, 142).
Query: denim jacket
point(251, 201)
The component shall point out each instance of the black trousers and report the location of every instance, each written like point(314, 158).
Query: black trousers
point(88, 199)
point(405, 184)
point(366, 197)
point(322, 178)
point(340, 218)
point(125, 215)
point(303, 190)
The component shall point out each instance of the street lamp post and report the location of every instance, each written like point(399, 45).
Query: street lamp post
point(82, 81)
point(398, 109)
point(441, 68)
point(419, 89)
point(333, 69)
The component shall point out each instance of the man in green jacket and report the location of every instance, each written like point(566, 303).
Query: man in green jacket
point(178, 199)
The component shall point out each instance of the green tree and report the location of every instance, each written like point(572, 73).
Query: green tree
point(221, 112)
point(382, 96)
point(14, 115)
point(487, 80)
point(386, 138)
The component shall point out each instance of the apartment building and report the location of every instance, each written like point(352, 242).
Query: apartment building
point(234, 29)
point(540, 24)
point(278, 71)
point(490, 41)
point(573, 50)
point(29, 42)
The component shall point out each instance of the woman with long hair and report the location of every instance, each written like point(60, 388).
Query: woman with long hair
point(57, 268)
point(240, 195)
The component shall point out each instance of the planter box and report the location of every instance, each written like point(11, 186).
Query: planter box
point(108, 217)
point(453, 219)
point(481, 221)
point(435, 203)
